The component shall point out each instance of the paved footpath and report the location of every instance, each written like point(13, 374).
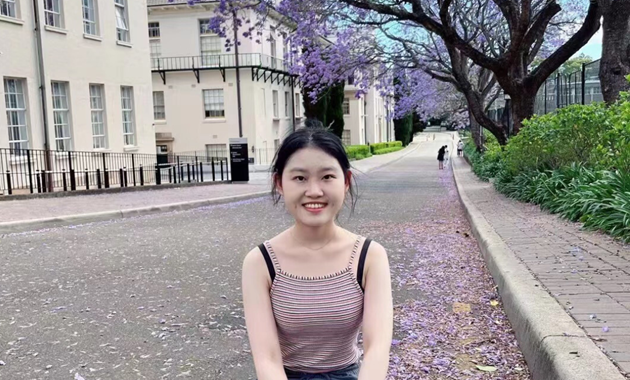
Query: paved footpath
point(31, 209)
point(158, 296)
point(587, 273)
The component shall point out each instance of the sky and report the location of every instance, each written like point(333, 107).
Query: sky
point(594, 47)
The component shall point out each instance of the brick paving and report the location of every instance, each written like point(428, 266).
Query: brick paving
point(30, 209)
point(588, 273)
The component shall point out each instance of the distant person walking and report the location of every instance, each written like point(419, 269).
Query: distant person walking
point(440, 157)
point(460, 149)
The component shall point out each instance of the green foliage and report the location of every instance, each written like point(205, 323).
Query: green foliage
point(334, 113)
point(402, 129)
point(575, 163)
point(378, 146)
point(358, 151)
point(575, 64)
point(387, 150)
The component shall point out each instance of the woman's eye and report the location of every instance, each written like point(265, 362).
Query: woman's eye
point(329, 176)
point(299, 178)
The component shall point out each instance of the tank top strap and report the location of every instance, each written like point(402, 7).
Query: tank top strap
point(272, 254)
point(354, 251)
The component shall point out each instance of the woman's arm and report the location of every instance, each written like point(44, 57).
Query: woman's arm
point(261, 325)
point(378, 315)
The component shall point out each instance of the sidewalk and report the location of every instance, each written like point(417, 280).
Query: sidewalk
point(19, 215)
point(586, 273)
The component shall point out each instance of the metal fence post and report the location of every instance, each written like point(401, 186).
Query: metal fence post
point(133, 167)
point(557, 90)
point(122, 180)
point(170, 177)
point(64, 180)
point(73, 180)
point(188, 171)
point(213, 176)
point(44, 181)
point(584, 83)
point(30, 171)
point(105, 172)
point(158, 175)
point(98, 178)
point(222, 169)
point(201, 171)
point(141, 175)
point(125, 174)
point(9, 182)
point(87, 180)
point(39, 184)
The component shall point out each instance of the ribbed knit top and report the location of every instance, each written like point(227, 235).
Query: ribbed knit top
point(318, 318)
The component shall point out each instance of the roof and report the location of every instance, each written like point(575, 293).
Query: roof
point(154, 3)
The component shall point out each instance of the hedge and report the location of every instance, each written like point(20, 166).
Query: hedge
point(575, 162)
point(378, 146)
point(387, 150)
point(358, 151)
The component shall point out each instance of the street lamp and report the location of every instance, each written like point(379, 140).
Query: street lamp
point(508, 112)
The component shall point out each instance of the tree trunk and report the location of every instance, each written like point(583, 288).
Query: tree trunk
point(475, 131)
point(522, 108)
point(615, 63)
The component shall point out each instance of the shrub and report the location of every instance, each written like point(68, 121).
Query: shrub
point(378, 146)
point(358, 151)
point(387, 150)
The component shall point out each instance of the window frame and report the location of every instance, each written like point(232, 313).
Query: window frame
point(155, 106)
point(275, 99)
point(87, 22)
point(287, 96)
point(61, 115)
point(122, 30)
point(346, 106)
point(298, 109)
point(96, 110)
point(128, 126)
point(18, 109)
point(211, 57)
point(221, 112)
point(5, 9)
point(56, 14)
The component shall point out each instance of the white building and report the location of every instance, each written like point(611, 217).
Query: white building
point(367, 118)
point(195, 86)
point(91, 58)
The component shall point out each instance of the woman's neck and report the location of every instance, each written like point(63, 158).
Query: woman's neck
point(314, 236)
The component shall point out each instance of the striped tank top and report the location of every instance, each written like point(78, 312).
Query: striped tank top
point(318, 318)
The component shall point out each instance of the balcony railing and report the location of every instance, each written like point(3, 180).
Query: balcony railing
point(218, 61)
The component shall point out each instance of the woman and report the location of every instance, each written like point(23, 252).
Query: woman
point(440, 157)
point(308, 291)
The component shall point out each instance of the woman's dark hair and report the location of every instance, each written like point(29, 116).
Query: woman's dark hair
point(319, 138)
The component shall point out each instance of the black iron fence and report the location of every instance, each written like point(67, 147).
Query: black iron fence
point(561, 90)
point(208, 61)
point(38, 171)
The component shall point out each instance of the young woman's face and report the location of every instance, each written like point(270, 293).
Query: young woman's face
point(313, 186)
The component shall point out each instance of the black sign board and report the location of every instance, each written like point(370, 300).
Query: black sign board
point(239, 161)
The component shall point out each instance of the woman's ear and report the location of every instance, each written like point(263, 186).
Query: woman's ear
point(348, 180)
point(277, 182)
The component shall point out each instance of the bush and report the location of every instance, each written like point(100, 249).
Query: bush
point(378, 146)
point(575, 163)
point(358, 152)
point(388, 150)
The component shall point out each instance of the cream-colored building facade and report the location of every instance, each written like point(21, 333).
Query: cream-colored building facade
point(91, 57)
point(195, 87)
point(367, 117)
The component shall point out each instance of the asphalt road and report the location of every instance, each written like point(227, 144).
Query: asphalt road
point(158, 297)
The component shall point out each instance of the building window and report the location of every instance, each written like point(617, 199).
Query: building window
point(272, 47)
point(155, 46)
point(61, 115)
point(97, 105)
point(8, 8)
point(346, 106)
point(213, 103)
point(52, 13)
point(210, 44)
point(285, 49)
point(216, 151)
point(90, 25)
point(298, 111)
point(287, 100)
point(159, 110)
point(276, 106)
point(122, 24)
point(129, 130)
point(346, 137)
point(351, 80)
point(16, 114)
point(154, 30)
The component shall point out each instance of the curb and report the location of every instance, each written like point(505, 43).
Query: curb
point(553, 345)
point(392, 161)
point(30, 225)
